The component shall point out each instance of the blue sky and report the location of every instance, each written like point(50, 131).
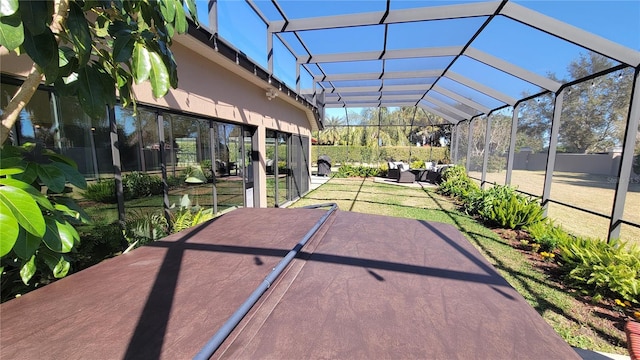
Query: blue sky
point(541, 53)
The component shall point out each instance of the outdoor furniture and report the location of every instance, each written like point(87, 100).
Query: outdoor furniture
point(394, 169)
point(435, 176)
point(405, 175)
point(269, 167)
point(420, 174)
point(324, 165)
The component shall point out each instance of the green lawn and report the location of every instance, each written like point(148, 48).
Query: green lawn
point(584, 329)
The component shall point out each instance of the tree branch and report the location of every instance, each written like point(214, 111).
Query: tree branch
point(30, 85)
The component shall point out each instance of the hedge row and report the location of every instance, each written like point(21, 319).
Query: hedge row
point(342, 154)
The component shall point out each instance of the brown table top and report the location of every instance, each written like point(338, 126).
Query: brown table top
point(365, 287)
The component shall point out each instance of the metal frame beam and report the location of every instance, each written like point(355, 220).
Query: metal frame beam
point(448, 107)
point(376, 89)
point(626, 164)
point(340, 104)
point(392, 17)
point(461, 99)
point(553, 145)
point(481, 88)
point(382, 55)
point(571, 33)
point(512, 143)
point(379, 75)
point(512, 69)
point(485, 158)
point(433, 111)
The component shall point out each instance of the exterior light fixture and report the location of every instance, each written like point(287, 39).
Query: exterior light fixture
point(271, 94)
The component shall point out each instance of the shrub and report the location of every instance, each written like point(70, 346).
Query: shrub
point(357, 171)
point(343, 154)
point(418, 164)
point(601, 268)
point(548, 235)
point(206, 169)
point(456, 183)
point(137, 185)
point(144, 227)
point(175, 181)
point(98, 243)
point(512, 210)
point(189, 217)
point(104, 191)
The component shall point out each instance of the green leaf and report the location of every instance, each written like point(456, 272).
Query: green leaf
point(11, 166)
point(61, 269)
point(9, 230)
point(193, 11)
point(43, 49)
point(56, 262)
point(9, 7)
point(181, 20)
point(141, 62)
point(101, 26)
point(168, 9)
point(60, 237)
point(107, 84)
point(52, 177)
point(29, 175)
point(67, 61)
point(78, 30)
point(11, 31)
point(35, 194)
point(24, 209)
point(90, 93)
point(72, 175)
point(73, 208)
point(35, 15)
point(54, 156)
point(159, 77)
point(170, 63)
point(123, 47)
point(26, 245)
point(28, 270)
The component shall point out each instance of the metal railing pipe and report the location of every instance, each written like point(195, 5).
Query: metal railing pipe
point(223, 332)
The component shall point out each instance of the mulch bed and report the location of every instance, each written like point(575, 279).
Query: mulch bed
point(608, 313)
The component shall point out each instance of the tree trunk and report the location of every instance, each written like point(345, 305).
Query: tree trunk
point(30, 85)
point(18, 102)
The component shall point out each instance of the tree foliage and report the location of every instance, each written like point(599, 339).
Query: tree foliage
point(593, 114)
point(37, 217)
point(385, 127)
point(93, 49)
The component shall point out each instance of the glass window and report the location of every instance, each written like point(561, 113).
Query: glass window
point(230, 184)
point(283, 174)
point(591, 134)
point(139, 147)
point(36, 122)
point(271, 167)
point(499, 146)
point(532, 144)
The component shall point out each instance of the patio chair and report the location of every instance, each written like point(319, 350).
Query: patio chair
point(405, 176)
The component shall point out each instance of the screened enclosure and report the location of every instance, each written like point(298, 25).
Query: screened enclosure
point(539, 95)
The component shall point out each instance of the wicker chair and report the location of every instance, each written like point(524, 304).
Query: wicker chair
point(405, 176)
